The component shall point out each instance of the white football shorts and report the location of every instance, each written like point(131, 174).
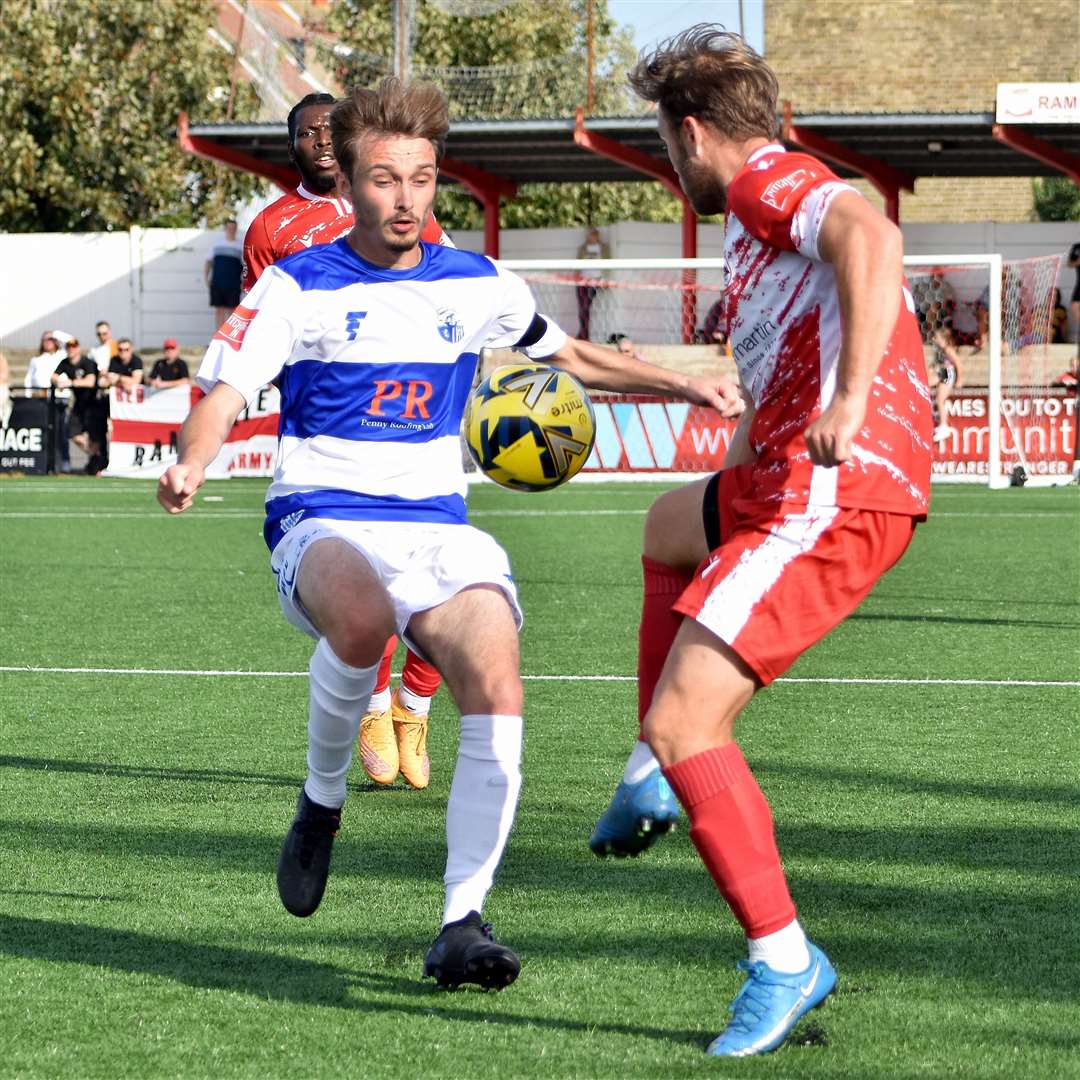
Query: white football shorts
point(420, 565)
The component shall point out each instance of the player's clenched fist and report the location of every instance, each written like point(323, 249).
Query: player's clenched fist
point(830, 437)
point(177, 486)
point(721, 394)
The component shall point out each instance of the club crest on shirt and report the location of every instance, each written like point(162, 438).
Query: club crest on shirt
point(449, 328)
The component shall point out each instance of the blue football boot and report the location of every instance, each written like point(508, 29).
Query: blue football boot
point(638, 816)
point(770, 1004)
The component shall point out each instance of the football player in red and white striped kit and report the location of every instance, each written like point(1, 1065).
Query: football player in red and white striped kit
point(827, 476)
point(393, 733)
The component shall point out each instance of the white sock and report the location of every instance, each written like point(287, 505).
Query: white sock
point(417, 704)
point(783, 950)
point(483, 798)
point(641, 762)
point(338, 696)
point(380, 700)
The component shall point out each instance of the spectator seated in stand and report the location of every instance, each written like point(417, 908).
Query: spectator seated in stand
point(170, 370)
point(623, 343)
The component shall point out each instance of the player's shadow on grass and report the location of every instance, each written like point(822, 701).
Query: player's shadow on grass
point(112, 769)
point(279, 978)
point(116, 770)
point(881, 594)
point(876, 781)
point(958, 620)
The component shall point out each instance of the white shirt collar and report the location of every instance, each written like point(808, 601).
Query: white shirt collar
point(310, 195)
point(772, 148)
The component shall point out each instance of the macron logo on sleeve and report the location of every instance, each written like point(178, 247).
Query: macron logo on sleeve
point(233, 329)
point(779, 191)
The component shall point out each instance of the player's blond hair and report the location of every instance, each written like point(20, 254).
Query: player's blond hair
point(417, 110)
point(713, 75)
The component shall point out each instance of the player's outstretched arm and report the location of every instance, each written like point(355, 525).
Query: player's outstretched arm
point(202, 436)
point(866, 251)
point(608, 369)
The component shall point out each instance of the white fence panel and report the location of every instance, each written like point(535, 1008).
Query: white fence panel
point(149, 283)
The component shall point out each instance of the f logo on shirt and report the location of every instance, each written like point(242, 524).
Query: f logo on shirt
point(352, 322)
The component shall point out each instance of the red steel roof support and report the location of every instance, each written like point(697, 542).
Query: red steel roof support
point(285, 177)
point(885, 178)
point(1014, 137)
point(488, 188)
point(641, 162)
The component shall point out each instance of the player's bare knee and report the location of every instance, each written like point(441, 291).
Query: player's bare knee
point(497, 693)
point(358, 637)
point(674, 534)
point(662, 732)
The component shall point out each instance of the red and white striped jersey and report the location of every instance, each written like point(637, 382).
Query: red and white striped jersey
point(299, 220)
point(783, 320)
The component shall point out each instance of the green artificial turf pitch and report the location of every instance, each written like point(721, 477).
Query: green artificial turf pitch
point(930, 829)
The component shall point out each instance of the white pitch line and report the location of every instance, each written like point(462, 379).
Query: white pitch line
point(28, 669)
point(228, 514)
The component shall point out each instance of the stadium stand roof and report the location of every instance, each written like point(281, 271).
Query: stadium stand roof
point(530, 151)
point(491, 157)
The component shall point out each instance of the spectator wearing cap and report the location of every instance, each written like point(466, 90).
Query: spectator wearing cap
point(171, 369)
point(80, 373)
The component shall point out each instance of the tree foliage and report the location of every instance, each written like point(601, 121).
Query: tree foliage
point(1057, 198)
point(552, 205)
point(90, 92)
point(528, 59)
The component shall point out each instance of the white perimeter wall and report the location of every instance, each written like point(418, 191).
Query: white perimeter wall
point(149, 283)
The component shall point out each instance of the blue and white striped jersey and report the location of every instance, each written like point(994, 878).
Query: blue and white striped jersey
point(375, 367)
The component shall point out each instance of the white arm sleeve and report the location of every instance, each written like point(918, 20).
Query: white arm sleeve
point(515, 313)
point(807, 220)
point(550, 341)
point(255, 341)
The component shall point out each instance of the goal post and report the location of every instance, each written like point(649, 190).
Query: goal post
point(989, 320)
point(1004, 423)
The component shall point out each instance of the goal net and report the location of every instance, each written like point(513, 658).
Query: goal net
point(669, 310)
point(986, 328)
point(985, 325)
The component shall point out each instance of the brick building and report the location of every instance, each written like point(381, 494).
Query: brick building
point(923, 56)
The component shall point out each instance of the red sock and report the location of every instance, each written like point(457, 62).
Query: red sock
point(419, 677)
point(732, 828)
point(659, 625)
point(382, 677)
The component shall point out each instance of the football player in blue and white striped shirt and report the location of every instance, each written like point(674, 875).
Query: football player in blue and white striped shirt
point(374, 340)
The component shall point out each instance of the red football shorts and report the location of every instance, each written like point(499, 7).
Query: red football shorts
point(781, 578)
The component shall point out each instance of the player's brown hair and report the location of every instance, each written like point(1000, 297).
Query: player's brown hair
point(713, 75)
point(417, 110)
